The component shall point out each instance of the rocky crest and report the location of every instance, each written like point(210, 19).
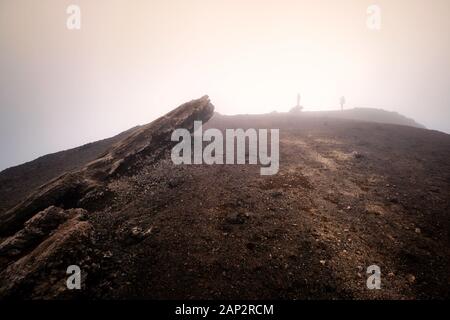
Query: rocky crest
point(349, 194)
point(149, 141)
point(53, 222)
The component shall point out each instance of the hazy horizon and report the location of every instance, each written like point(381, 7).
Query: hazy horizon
point(133, 61)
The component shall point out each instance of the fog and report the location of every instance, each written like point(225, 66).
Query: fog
point(133, 61)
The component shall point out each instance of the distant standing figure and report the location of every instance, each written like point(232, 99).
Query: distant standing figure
point(342, 101)
point(298, 108)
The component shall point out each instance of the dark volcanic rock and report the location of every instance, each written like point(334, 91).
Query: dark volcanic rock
point(41, 272)
point(49, 231)
point(37, 228)
point(149, 229)
point(151, 140)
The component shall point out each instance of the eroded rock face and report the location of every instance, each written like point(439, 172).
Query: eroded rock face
point(50, 230)
point(44, 244)
point(149, 141)
point(36, 229)
point(152, 230)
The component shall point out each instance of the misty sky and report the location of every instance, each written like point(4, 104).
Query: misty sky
point(134, 60)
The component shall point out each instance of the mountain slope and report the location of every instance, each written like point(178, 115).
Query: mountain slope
point(17, 182)
point(348, 195)
point(367, 115)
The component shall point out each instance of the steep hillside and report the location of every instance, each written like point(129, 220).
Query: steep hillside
point(349, 194)
point(17, 182)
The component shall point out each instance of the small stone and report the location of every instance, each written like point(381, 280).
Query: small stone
point(138, 234)
point(393, 199)
point(248, 214)
point(322, 262)
point(276, 194)
point(148, 231)
point(411, 278)
point(417, 230)
point(357, 155)
point(136, 231)
point(235, 218)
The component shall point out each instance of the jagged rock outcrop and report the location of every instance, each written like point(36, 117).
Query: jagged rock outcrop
point(51, 228)
point(149, 141)
point(45, 242)
point(141, 227)
point(36, 229)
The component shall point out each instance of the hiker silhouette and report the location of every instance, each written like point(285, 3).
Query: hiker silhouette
point(342, 102)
